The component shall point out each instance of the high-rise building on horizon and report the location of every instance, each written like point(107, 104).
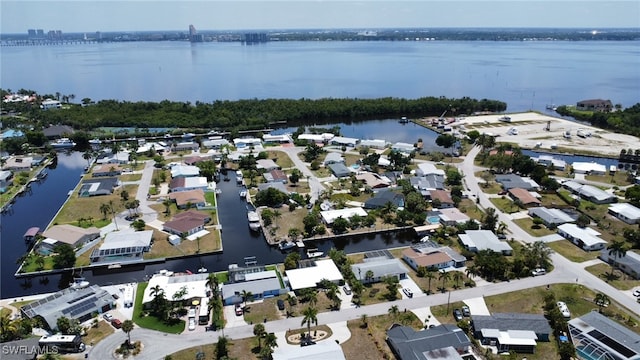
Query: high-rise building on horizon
point(194, 36)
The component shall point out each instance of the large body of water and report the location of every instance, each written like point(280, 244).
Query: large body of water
point(526, 75)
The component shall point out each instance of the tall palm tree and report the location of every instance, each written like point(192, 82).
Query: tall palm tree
point(457, 277)
point(127, 327)
point(310, 315)
point(617, 249)
point(313, 297)
point(105, 209)
point(471, 271)
point(444, 276)
point(368, 276)
point(246, 296)
point(394, 311)
point(270, 341)
point(259, 332)
point(212, 283)
point(430, 276)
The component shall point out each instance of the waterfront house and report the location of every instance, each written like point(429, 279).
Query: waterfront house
point(598, 105)
point(590, 193)
point(241, 143)
point(186, 223)
point(586, 238)
point(551, 217)
point(159, 148)
point(262, 283)
point(548, 160)
point(625, 212)
point(375, 143)
point(446, 341)
point(192, 285)
point(450, 216)
point(189, 183)
point(123, 246)
point(121, 157)
point(183, 171)
point(215, 144)
point(523, 197)
point(71, 234)
point(329, 216)
point(596, 336)
point(316, 138)
point(107, 170)
point(98, 186)
point(275, 176)
point(311, 272)
point(6, 180)
point(344, 141)
point(18, 163)
point(478, 240)
point(511, 331)
point(74, 304)
point(339, 170)
point(184, 199)
point(373, 180)
point(431, 255)
point(629, 263)
point(267, 165)
point(382, 197)
point(590, 168)
point(381, 264)
point(50, 104)
point(185, 146)
point(444, 197)
point(277, 139)
point(333, 157)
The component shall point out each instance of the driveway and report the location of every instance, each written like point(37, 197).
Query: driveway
point(408, 283)
point(233, 320)
point(477, 306)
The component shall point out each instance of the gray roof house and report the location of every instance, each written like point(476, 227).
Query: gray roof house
point(262, 284)
point(381, 267)
point(333, 157)
point(381, 198)
point(511, 331)
point(478, 240)
point(630, 263)
point(551, 216)
point(424, 184)
point(510, 181)
point(339, 170)
point(71, 303)
point(276, 185)
point(20, 349)
point(71, 234)
point(595, 336)
point(591, 193)
point(443, 342)
point(625, 212)
point(125, 245)
point(98, 186)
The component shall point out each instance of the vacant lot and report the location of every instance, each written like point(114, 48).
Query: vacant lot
point(89, 207)
point(534, 230)
point(567, 249)
point(619, 280)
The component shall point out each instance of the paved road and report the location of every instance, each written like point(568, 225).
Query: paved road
point(314, 183)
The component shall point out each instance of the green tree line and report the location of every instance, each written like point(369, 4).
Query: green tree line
point(626, 121)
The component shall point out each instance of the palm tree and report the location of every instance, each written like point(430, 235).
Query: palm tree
point(312, 297)
point(105, 209)
point(270, 341)
point(212, 283)
point(276, 215)
point(246, 296)
point(617, 249)
point(87, 156)
point(444, 276)
point(167, 206)
point(430, 276)
point(601, 300)
point(310, 316)
point(457, 277)
point(7, 327)
point(394, 311)
point(259, 332)
point(368, 276)
point(127, 327)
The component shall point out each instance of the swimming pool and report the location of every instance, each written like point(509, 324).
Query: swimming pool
point(433, 220)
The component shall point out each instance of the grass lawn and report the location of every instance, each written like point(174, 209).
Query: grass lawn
point(30, 265)
point(572, 252)
point(301, 187)
point(161, 247)
point(95, 334)
point(287, 220)
point(527, 225)
point(238, 349)
point(552, 200)
point(619, 280)
point(150, 322)
point(505, 204)
point(255, 313)
point(436, 283)
point(281, 158)
point(369, 342)
point(469, 207)
point(620, 178)
point(322, 172)
point(89, 207)
point(130, 177)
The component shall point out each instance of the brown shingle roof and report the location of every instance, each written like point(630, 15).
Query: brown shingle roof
point(184, 197)
point(443, 196)
point(524, 196)
point(427, 260)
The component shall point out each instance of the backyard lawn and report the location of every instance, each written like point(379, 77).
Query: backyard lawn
point(619, 280)
point(534, 230)
point(572, 252)
point(89, 207)
point(505, 204)
point(150, 322)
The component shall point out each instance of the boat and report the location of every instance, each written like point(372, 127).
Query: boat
point(41, 175)
point(404, 120)
point(202, 270)
point(505, 118)
point(243, 194)
point(567, 134)
point(254, 220)
point(31, 234)
point(79, 283)
point(300, 244)
point(513, 131)
point(188, 135)
point(95, 142)
point(286, 245)
point(314, 253)
point(583, 133)
point(63, 143)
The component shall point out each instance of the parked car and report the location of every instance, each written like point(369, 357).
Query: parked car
point(457, 314)
point(280, 304)
point(407, 292)
point(192, 324)
point(636, 292)
point(465, 311)
point(107, 317)
point(538, 272)
point(239, 310)
point(116, 323)
point(346, 290)
point(502, 236)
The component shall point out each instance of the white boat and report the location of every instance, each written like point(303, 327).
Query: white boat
point(404, 120)
point(300, 244)
point(243, 194)
point(513, 131)
point(79, 283)
point(314, 253)
point(63, 143)
point(254, 220)
point(567, 134)
point(286, 245)
point(95, 142)
point(583, 133)
point(202, 270)
point(505, 118)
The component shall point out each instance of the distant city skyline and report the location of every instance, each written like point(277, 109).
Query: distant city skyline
point(170, 15)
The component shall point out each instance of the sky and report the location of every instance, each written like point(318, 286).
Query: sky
point(17, 16)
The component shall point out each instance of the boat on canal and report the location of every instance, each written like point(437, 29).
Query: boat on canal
point(254, 220)
point(79, 283)
point(314, 253)
point(243, 194)
point(286, 245)
point(30, 234)
point(63, 143)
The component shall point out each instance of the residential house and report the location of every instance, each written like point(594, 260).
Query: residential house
point(262, 284)
point(442, 342)
point(329, 216)
point(381, 267)
point(431, 255)
point(18, 163)
point(98, 186)
point(403, 147)
point(629, 263)
point(590, 193)
point(107, 170)
point(551, 217)
point(189, 183)
point(339, 170)
point(625, 212)
point(193, 160)
point(376, 143)
point(444, 197)
point(215, 144)
point(373, 180)
point(74, 304)
point(311, 272)
point(596, 336)
point(186, 223)
point(591, 168)
point(50, 104)
point(450, 216)
point(277, 139)
point(275, 176)
point(267, 165)
point(188, 198)
point(511, 331)
point(426, 169)
point(158, 147)
point(344, 141)
point(548, 160)
point(316, 138)
point(510, 181)
point(275, 185)
point(123, 246)
point(193, 286)
point(247, 142)
point(381, 198)
point(71, 234)
point(121, 157)
point(6, 180)
point(478, 240)
point(599, 105)
point(20, 349)
point(185, 146)
point(333, 157)
point(424, 184)
point(586, 238)
point(524, 197)
point(184, 171)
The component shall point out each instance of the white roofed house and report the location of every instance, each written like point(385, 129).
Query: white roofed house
point(178, 171)
point(214, 143)
point(592, 168)
point(586, 238)
point(591, 193)
point(425, 169)
point(333, 157)
point(549, 216)
point(344, 141)
point(629, 263)
point(123, 246)
point(246, 142)
point(318, 138)
point(311, 272)
point(277, 139)
point(185, 146)
point(478, 240)
point(329, 216)
point(376, 144)
point(189, 183)
point(403, 147)
point(625, 212)
point(267, 165)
